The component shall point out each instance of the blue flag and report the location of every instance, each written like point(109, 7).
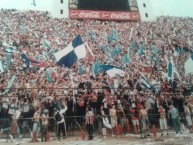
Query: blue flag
point(48, 76)
point(95, 68)
point(25, 59)
point(22, 28)
point(80, 68)
point(146, 84)
point(170, 70)
point(141, 49)
point(112, 70)
point(8, 59)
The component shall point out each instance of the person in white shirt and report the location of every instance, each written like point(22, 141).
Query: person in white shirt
point(188, 117)
point(60, 121)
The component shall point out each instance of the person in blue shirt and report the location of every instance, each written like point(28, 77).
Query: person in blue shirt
point(175, 119)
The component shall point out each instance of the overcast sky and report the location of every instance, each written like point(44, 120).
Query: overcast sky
point(181, 8)
point(26, 4)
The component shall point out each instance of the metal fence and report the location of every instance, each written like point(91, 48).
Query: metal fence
point(76, 124)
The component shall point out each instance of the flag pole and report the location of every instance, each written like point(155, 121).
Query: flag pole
point(131, 33)
point(89, 49)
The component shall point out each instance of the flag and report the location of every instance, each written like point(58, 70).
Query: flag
point(22, 28)
point(115, 35)
point(170, 70)
point(188, 66)
point(145, 83)
point(25, 59)
point(112, 70)
point(155, 50)
point(80, 69)
point(10, 50)
point(30, 61)
point(33, 3)
point(106, 122)
point(9, 85)
point(8, 59)
point(131, 33)
point(95, 68)
point(141, 49)
point(106, 86)
point(72, 53)
point(48, 76)
point(1, 67)
point(89, 49)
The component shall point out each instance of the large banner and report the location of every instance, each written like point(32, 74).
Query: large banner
point(104, 15)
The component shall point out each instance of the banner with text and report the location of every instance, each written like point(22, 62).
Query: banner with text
point(104, 15)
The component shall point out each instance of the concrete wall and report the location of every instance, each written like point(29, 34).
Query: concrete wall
point(58, 7)
point(145, 9)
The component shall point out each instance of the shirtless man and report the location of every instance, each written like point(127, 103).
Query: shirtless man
point(145, 120)
point(162, 120)
point(36, 123)
point(113, 114)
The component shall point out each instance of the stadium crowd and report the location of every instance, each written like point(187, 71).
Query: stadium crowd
point(136, 47)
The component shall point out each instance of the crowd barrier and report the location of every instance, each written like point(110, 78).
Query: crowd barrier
point(75, 126)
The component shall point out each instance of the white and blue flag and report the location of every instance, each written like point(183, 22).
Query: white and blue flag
point(72, 53)
point(145, 83)
point(95, 68)
point(1, 67)
point(112, 71)
point(172, 70)
point(188, 66)
point(10, 83)
point(10, 50)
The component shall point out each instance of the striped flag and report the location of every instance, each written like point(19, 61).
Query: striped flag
point(172, 69)
point(146, 84)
